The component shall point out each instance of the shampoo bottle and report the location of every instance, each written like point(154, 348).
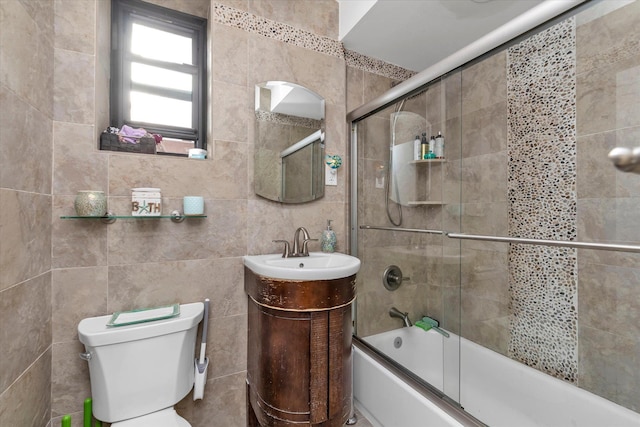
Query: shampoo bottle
point(439, 146)
point(432, 147)
point(416, 148)
point(328, 239)
point(424, 146)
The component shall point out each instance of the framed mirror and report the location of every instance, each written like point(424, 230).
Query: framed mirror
point(289, 142)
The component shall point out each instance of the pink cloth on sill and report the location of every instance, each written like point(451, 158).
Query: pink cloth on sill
point(131, 135)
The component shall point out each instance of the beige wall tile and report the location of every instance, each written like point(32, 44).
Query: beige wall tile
point(74, 91)
point(484, 83)
point(77, 293)
point(227, 346)
point(75, 26)
point(70, 384)
point(225, 169)
point(192, 7)
point(26, 52)
point(231, 111)
point(355, 88)
point(485, 178)
point(610, 38)
point(595, 178)
point(25, 316)
point(321, 73)
point(27, 402)
point(230, 54)
point(225, 400)
point(484, 131)
point(76, 243)
point(25, 152)
point(608, 97)
point(145, 285)
point(318, 16)
point(25, 251)
point(78, 165)
point(220, 235)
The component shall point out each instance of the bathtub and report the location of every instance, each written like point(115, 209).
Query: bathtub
point(490, 387)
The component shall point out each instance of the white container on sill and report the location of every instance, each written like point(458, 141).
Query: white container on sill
point(146, 202)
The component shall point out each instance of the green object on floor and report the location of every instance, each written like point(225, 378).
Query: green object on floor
point(88, 410)
point(66, 421)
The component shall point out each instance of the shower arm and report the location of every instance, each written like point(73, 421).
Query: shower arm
point(626, 159)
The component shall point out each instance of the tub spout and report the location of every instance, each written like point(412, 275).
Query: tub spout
point(394, 312)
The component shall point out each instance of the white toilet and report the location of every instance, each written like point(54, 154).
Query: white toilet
point(139, 371)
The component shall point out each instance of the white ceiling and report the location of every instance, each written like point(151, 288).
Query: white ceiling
point(416, 34)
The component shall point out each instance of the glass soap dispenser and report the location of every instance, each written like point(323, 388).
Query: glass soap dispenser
point(328, 238)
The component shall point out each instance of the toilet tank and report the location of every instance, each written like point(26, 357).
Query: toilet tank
point(141, 368)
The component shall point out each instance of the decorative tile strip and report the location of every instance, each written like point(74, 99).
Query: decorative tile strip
point(278, 31)
point(286, 119)
point(251, 23)
point(541, 97)
point(376, 66)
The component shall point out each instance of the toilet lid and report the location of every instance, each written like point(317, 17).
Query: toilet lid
point(165, 418)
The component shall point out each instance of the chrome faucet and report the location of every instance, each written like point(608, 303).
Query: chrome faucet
point(295, 252)
point(298, 250)
point(394, 312)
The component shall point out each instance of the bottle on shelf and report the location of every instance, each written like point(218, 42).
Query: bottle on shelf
point(417, 150)
point(439, 146)
point(424, 146)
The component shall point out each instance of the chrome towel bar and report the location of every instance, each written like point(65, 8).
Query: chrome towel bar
point(542, 242)
point(410, 230)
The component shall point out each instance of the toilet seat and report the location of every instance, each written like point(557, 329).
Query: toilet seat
point(164, 418)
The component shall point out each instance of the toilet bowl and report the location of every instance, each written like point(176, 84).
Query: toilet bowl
point(140, 371)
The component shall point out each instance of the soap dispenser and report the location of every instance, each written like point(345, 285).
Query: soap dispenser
point(328, 238)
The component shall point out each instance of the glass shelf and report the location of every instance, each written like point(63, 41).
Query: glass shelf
point(110, 218)
point(428, 161)
point(424, 203)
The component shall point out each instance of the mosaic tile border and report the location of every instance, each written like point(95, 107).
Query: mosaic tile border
point(286, 119)
point(541, 98)
point(376, 66)
point(254, 24)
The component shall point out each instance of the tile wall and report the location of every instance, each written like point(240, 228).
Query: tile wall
point(26, 152)
point(56, 272)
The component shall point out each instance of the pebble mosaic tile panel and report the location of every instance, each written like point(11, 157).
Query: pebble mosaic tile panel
point(286, 119)
point(246, 21)
point(541, 97)
point(376, 66)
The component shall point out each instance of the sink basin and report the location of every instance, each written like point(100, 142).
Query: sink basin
point(317, 266)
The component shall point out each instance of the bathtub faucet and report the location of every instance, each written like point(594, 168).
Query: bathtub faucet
point(394, 312)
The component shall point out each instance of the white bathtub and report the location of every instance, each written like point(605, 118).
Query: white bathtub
point(493, 388)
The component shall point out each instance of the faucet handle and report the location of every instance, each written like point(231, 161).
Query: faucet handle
point(305, 251)
point(285, 252)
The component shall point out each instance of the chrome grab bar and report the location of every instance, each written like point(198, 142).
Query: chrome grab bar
point(543, 242)
point(626, 159)
point(411, 230)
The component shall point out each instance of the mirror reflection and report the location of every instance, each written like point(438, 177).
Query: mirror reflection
point(289, 142)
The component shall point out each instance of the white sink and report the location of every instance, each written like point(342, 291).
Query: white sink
point(317, 266)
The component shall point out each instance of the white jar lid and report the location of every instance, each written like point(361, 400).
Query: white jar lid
point(152, 190)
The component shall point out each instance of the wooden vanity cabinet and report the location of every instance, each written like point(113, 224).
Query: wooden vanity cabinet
point(299, 351)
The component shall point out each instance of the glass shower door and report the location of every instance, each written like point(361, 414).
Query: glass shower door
point(410, 270)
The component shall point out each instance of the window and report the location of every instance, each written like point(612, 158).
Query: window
point(158, 73)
